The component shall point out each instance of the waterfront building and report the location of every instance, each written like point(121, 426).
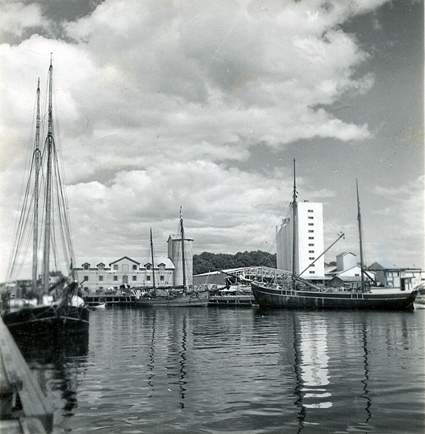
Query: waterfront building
point(175, 253)
point(310, 242)
point(396, 277)
point(127, 272)
point(345, 261)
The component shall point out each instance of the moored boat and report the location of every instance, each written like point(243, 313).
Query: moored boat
point(97, 305)
point(293, 292)
point(286, 296)
point(173, 297)
point(67, 314)
point(235, 295)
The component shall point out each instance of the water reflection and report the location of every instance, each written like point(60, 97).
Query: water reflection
point(212, 371)
point(311, 365)
point(56, 364)
point(151, 363)
point(182, 362)
point(365, 381)
point(313, 335)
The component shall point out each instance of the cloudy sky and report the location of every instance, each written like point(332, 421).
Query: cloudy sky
point(204, 105)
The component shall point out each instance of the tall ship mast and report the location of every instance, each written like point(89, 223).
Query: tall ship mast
point(67, 314)
point(287, 290)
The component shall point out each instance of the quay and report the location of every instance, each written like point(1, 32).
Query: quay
point(23, 406)
point(244, 300)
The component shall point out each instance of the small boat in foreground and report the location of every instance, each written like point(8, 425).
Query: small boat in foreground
point(293, 292)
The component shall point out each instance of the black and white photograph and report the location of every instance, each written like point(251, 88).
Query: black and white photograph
point(212, 216)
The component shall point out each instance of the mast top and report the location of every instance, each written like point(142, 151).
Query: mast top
point(294, 194)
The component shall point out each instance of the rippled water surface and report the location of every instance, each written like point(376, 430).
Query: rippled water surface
point(212, 370)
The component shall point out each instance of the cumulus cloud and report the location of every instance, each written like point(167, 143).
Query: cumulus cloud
point(160, 104)
point(18, 18)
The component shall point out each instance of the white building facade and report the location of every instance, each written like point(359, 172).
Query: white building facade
point(124, 271)
point(129, 273)
point(310, 242)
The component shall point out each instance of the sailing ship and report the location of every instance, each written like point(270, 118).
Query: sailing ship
point(294, 292)
point(177, 296)
point(65, 312)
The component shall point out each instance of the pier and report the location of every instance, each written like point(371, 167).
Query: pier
point(23, 406)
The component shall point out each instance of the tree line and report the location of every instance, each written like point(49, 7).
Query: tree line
point(206, 261)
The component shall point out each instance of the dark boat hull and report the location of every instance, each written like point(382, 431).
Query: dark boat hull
point(273, 297)
point(47, 320)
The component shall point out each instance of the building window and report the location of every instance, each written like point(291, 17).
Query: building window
point(310, 217)
point(311, 238)
point(148, 266)
point(311, 245)
point(134, 278)
point(311, 230)
point(134, 267)
point(115, 278)
point(85, 278)
point(148, 278)
point(311, 224)
point(115, 266)
point(312, 272)
point(161, 278)
point(100, 278)
point(310, 210)
point(311, 258)
point(311, 251)
point(86, 266)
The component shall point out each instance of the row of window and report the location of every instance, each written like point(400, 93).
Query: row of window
point(115, 278)
point(311, 244)
point(125, 267)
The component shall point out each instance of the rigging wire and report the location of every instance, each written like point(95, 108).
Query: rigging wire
point(61, 239)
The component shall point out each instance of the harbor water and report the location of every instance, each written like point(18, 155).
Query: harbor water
point(214, 370)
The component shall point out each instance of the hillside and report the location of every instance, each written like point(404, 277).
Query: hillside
point(206, 261)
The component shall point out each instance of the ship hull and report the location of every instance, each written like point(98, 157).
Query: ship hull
point(47, 320)
point(273, 297)
point(178, 300)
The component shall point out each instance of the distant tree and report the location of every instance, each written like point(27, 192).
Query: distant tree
point(206, 261)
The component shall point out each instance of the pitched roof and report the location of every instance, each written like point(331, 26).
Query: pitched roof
point(376, 266)
point(124, 257)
